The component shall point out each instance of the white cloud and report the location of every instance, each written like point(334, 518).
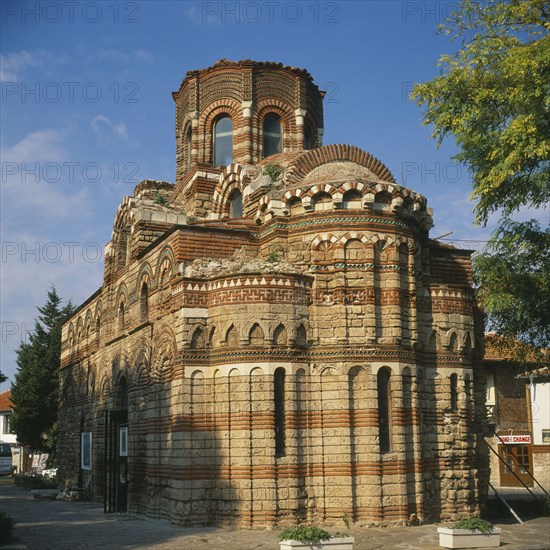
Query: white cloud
point(12, 65)
point(105, 129)
point(35, 174)
point(112, 53)
point(25, 280)
point(42, 145)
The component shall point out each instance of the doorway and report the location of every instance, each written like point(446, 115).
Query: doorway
point(116, 453)
point(515, 459)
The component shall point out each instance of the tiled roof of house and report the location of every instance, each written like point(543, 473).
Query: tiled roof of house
point(500, 349)
point(5, 401)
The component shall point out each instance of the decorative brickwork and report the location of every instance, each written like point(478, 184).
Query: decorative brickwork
point(277, 336)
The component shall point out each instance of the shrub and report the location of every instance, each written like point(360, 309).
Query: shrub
point(475, 524)
point(160, 199)
point(7, 525)
point(273, 171)
point(305, 534)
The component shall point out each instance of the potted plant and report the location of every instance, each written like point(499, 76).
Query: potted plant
point(469, 533)
point(305, 537)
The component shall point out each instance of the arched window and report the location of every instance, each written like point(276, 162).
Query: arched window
point(121, 316)
point(352, 199)
point(407, 390)
point(144, 302)
point(384, 409)
point(223, 141)
point(256, 335)
point(382, 201)
point(453, 340)
point(309, 142)
point(236, 205)
point(231, 336)
point(187, 147)
point(121, 397)
point(325, 252)
point(279, 401)
point(197, 340)
point(280, 337)
point(468, 346)
point(322, 201)
point(354, 250)
point(295, 207)
point(454, 392)
point(212, 338)
point(273, 136)
point(301, 336)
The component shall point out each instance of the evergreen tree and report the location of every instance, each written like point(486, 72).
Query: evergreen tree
point(35, 391)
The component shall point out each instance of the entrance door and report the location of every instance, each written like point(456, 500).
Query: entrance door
point(116, 462)
point(517, 459)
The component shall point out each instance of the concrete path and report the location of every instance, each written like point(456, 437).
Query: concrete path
point(58, 525)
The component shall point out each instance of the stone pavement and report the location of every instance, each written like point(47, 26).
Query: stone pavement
point(58, 525)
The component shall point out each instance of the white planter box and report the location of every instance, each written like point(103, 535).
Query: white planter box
point(341, 543)
point(464, 538)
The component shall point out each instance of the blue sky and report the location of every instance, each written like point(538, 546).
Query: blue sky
point(87, 112)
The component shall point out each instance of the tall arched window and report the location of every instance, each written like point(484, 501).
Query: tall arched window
point(121, 316)
point(384, 409)
point(223, 141)
point(144, 302)
point(308, 139)
point(231, 336)
point(236, 205)
point(121, 397)
point(273, 136)
point(187, 147)
point(301, 336)
point(280, 337)
point(197, 340)
point(256, 335)
point(279, 401)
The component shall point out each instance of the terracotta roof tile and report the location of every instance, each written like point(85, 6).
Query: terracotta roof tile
point(5, 401)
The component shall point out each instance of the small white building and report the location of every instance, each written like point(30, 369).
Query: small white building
point(518, 419)
point(6, 410)
point(538, 396)
point(6, 434)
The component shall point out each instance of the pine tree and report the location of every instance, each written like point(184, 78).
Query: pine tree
point(35, 391)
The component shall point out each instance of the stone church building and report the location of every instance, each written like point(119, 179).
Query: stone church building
point(277, 339)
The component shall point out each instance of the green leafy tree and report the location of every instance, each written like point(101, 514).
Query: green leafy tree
point(3, 378)
point(493, 96)
point(35, 391)
point(513, 277)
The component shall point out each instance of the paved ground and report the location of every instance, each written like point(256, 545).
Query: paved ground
point(58, 525)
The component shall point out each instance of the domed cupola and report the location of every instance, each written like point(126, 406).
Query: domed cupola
point(241, 112)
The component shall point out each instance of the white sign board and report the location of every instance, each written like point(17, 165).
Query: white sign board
point(515, 439)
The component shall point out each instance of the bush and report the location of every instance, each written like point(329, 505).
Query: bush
point(7, 525)
point(273, 171)
point(34, 481)
point(475, 524)
point(305, 534)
